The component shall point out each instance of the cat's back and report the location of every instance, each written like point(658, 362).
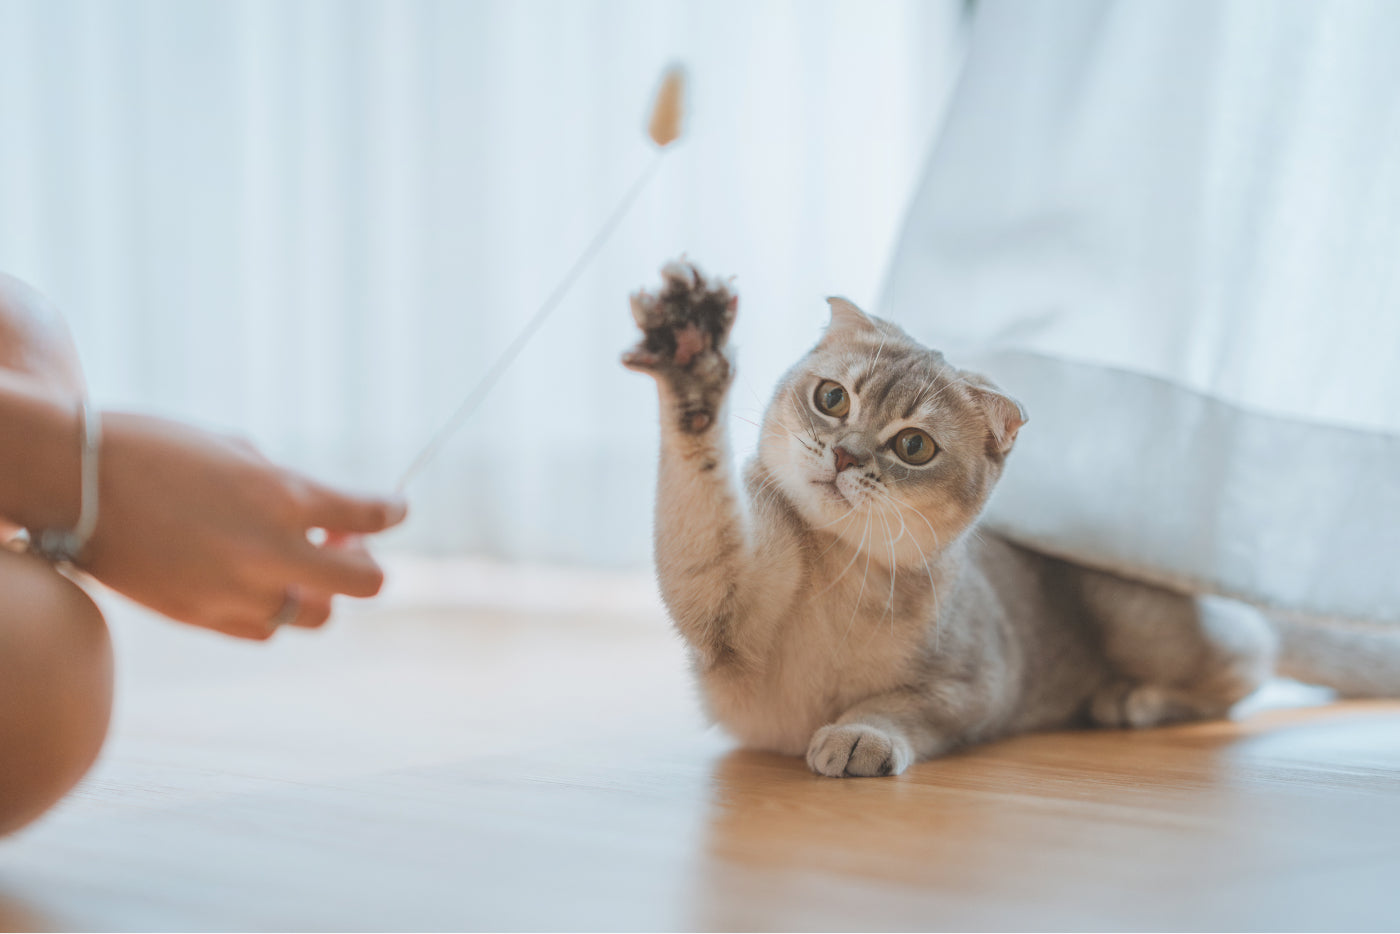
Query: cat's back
point(1011, 580)
point(1030, 604)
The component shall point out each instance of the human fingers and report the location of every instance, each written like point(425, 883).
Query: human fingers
point(313, 611)
point(340, 569)
point(337, 511)
point(261, 617)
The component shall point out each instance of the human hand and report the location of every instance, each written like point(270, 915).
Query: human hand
point(204, 529)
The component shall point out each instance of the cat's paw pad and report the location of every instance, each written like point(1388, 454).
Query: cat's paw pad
point(685, 331)
point(856, 750)
point(685, 325)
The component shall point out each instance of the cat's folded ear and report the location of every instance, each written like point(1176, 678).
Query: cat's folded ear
point(847, 318)
point(1005, 415)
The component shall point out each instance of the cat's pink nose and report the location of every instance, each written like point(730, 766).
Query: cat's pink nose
point(844, 458)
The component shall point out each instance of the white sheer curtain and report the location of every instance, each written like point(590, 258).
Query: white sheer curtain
point(1173, 228)
point(317, 222)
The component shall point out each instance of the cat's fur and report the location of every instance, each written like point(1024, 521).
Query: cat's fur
point(857, 615)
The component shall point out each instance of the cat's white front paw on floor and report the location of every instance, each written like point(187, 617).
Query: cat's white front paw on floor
point(856, 750)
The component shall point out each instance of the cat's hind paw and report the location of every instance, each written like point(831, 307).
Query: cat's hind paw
point(1126, 705)
point(685, 332)
point(856, 750)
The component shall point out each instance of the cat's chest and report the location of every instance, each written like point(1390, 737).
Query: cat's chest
point(831, 651)
point(844, 647)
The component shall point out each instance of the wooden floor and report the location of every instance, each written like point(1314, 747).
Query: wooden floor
point(492, 749)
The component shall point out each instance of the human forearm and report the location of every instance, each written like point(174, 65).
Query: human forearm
point(198, 526)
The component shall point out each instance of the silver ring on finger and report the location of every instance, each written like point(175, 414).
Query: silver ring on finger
point(288, 612)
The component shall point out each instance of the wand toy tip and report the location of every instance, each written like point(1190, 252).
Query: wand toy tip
point(668, 112)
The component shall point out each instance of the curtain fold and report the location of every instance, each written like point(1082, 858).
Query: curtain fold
point(1172, 229)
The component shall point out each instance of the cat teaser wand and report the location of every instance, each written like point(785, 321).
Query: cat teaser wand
point(664, 128)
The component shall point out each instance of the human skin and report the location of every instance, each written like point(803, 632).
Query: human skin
point(197, 526)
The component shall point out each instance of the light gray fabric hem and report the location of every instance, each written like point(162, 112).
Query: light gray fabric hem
point(1157, 482)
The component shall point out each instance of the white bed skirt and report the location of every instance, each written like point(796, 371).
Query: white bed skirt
point(1173, 230)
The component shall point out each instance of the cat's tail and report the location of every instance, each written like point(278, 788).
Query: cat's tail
point(1353, 659)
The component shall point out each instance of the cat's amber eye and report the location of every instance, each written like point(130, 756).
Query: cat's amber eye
point(914, 446)
point(831, 398)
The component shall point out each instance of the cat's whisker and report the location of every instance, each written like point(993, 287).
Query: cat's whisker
point(879, 350)
point(894, 562)
point(903, 530)
point(894, 570)
point(860, 594)
point(802, 410)
point(898, 514)
point(771, 494)
point(795, 435)
point(841, 534)
point(923, 557)
point(818, 528)
point(899, 502)
point(899, 507)
point(756, 498)
point(771, 487)
point(854, 557)
point(932, 586)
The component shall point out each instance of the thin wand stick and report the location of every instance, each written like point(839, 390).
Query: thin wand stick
point(498, 369)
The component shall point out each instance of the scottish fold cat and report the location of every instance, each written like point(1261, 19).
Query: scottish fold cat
point(841, 603)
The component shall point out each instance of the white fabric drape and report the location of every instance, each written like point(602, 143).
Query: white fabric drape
point(1173, 228)
point(317, 222)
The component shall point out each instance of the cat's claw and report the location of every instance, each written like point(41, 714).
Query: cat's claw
point(856, 750)
point(689, 316)
point(685, 332)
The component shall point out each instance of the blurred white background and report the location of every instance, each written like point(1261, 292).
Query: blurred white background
point(316, 223)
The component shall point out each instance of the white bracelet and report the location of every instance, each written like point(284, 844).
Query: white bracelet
point(65, 546)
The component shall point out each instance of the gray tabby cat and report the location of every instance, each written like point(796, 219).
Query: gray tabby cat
point(849, 608)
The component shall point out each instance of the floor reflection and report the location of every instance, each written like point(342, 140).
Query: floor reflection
point(1238, 822)
point(1363, 743)
point(16, 914)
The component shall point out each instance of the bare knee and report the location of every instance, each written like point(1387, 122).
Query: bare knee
point(55, 687)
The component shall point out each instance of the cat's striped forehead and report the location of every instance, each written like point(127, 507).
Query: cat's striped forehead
point(893, 376)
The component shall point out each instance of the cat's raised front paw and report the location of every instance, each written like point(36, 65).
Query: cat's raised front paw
point(855, 750)
point(685, 330)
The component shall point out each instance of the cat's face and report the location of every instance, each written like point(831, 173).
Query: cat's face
point(878, 440)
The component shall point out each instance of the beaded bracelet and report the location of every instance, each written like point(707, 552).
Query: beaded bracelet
point(64, 546)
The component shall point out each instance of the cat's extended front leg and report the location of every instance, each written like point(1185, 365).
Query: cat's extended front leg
point(701, 540)
point(883, 735)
